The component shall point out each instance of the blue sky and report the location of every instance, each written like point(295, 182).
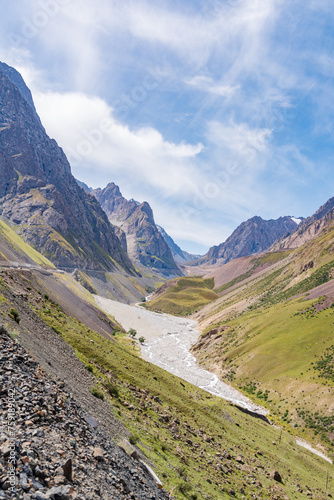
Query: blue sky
point(213, 111)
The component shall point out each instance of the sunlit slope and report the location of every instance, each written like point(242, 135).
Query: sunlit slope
point(271, 333)
point(14, 249)
point(199, 445)
point(183, 296)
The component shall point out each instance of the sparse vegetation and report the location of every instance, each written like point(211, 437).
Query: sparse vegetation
point(14, 315)
point(133, 439)
point(132, 332)
point(112, 389)
point(96, 391)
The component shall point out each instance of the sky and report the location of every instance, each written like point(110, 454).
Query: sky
point(213, 111)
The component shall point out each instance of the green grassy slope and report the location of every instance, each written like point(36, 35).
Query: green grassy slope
point(14, 248)
point(183, 296)
point(201, 446)
point(272, 336)
point(185, 431)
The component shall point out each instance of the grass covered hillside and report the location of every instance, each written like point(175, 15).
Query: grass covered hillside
point(183, 296)
point(200, 446)
point(14, 249)
point(271, 334)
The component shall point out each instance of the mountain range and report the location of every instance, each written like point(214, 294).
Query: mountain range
point(135, 220)
point(75, 226)
point(39, 195)
point(263, 300)
point(252, 236)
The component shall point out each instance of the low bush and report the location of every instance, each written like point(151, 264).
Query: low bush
point(97, 393)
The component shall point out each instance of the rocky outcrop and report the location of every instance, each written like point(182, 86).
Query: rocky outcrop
point(251, 237)
point(144, 242)
point(15, 77)
point(309, 228)
point(51, 449)
point(180, 256)
point(39, 195)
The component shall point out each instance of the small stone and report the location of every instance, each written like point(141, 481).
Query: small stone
point(60, 493)
point(125, 485)
point(98, 453)
point(59, 479)
point(67, 468)
point(276, 476)
point(6, 449)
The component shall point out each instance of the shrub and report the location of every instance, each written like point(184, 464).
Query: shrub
point(14, 315)
point(97, 393)
point(112, 389)
point(184, 488)
point(46, 296)
point(141, 340)
point(132, 332)
point(89, 368)
point(133, 439)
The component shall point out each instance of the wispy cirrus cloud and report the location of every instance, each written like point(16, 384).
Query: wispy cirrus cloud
point(217, 111)
point(206, 84)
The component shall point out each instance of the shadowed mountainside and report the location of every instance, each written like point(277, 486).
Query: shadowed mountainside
point(39, 195)
point(144, 242)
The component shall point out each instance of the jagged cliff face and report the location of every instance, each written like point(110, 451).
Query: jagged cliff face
point(144, 242)
point(253, 236)
point(39, 195)
point(309, 227)
point(180, 256)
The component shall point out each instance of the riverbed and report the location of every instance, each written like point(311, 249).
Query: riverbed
point(168, 340)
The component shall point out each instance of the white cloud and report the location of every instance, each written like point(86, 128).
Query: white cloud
point(239, 138)
point(90, 135)
point(207, 84)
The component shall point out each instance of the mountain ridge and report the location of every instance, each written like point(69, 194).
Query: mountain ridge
point(144, 242)
point(180, 256)
point(251, 237)
point(39, 195)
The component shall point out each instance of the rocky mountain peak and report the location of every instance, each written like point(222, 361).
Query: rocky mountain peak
point(14, 76)
point(252, 236)
point(39, 195)
point(144, 242)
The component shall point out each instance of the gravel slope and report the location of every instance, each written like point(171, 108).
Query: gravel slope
point(49, 449)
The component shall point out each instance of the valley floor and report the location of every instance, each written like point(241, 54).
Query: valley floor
point(168, 340)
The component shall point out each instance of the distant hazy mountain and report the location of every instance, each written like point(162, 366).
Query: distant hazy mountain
point(144, 242)
point(38, 193)
point(180, 256)
point(253, 236)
